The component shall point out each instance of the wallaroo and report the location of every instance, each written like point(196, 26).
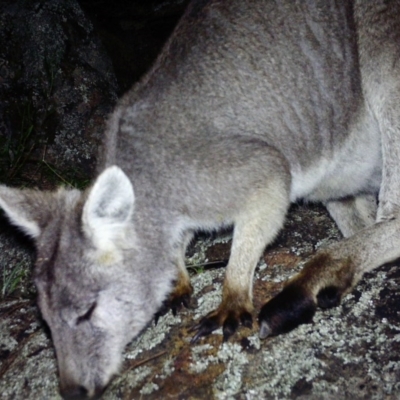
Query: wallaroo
point(252, 105)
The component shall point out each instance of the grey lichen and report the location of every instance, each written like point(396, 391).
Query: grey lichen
point(149, 388)
point(128, 380)
point(153, 336)
point(200, 358)
point(229, 383)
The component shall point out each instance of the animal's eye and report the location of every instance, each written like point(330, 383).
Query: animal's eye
point(87, 315)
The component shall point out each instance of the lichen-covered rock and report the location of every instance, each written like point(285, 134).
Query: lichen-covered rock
point(57, 87)
point(16, 261)
point(351, 351)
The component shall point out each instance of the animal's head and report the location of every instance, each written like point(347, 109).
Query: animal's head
point(91, 291)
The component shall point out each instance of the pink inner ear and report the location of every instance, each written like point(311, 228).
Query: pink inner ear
point(110, 200)
point(108, 208)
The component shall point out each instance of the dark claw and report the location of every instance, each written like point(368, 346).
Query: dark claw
point(162, 311)
point(230, 326)
point(290, 308)
point(329, 297)
point(246, 320)
point(186, 300)
point(174, 304)
point(206, 326)
point(177, 303)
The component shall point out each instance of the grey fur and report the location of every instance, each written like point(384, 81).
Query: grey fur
point(252, 104)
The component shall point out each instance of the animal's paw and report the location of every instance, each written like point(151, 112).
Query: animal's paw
point(290, 308)
point(228, 318)
point(324, 280)
point(179, 298)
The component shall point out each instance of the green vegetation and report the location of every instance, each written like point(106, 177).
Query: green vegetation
point(196, 269)
point(15, 155)
point(70, 178)
point(199, 268)
point(11, 279)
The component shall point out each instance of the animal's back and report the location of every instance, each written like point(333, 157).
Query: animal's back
point(258, 69)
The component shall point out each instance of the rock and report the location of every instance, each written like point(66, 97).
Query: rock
point(351, 351)
point(57, 87)
point(16, 261)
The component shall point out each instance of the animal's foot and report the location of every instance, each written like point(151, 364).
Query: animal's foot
point(228, 318)
point(290, 308)
point(179, 298)
point(323, 282)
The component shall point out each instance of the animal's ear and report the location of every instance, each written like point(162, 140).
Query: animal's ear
point(109, 206)
point(25, 208)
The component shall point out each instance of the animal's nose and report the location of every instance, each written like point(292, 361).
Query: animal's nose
point(80, 393)
point(74, 393)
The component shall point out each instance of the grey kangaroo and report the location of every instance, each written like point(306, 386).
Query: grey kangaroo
point(252, 105)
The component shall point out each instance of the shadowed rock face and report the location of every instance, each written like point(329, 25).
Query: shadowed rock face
point(133, 32)
point(57, 87)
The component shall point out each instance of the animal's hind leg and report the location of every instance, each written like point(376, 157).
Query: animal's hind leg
point(257, 224)
point(334, 271)
point(328, 276)
point(353, 214)
point(389, 122)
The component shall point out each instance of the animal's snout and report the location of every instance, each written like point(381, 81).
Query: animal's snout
point(79, 392)
point(74, 393)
